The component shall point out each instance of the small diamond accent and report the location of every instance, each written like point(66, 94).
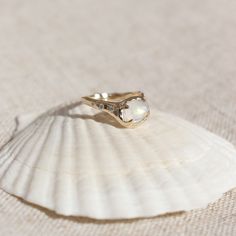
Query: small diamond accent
point(100, 106)
point(110, 108)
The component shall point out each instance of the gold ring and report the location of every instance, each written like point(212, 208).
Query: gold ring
point(129, 109)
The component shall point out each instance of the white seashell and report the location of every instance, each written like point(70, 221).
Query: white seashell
point(76, 165)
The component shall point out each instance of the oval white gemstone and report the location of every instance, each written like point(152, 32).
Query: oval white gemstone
point(137, 111)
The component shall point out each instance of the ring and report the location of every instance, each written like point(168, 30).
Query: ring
point(129, 109)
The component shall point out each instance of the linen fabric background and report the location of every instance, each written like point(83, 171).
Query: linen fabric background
point(182, 54)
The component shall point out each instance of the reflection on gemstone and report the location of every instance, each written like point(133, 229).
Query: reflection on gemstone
point(137, 111)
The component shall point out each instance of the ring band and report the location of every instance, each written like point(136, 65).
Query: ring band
point(129, 109)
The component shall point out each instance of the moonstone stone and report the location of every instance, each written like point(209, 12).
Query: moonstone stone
point(137, 111)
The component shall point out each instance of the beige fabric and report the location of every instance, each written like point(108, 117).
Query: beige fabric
point(181, 53)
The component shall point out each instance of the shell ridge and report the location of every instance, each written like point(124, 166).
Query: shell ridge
point(32, 172)
point(101, 209)
point(147, 179)
point(36, 136)
point(9, 148)
point(76, 199)
point(125, 182)
point(85, 127)
point(18, 151)
point(56, 187)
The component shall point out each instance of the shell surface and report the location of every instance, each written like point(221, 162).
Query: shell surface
point(78, 163)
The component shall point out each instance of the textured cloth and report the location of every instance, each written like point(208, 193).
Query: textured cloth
point(182, 54)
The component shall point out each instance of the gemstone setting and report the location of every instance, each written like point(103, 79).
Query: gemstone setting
point(136, 112)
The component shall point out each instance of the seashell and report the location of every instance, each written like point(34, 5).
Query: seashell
point(77, 162)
